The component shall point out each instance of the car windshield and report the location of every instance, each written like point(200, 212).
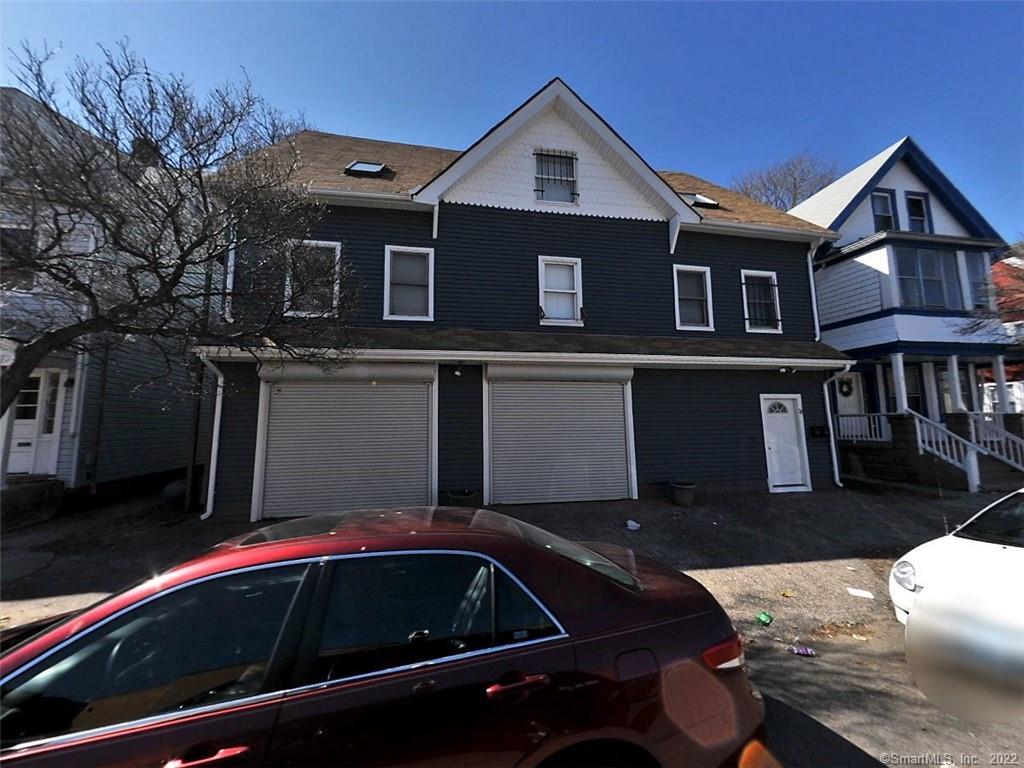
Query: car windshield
point(1001, 524)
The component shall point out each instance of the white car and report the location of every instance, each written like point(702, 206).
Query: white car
point(983, 557)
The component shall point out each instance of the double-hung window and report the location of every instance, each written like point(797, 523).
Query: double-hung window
point(408, 283)
point(693, 298)
point(16, 254)
point(311, 287)
point(929, 279)
point(917, 213)
point(561, 290)
point(555, 179)
point(978, 276)
point(761, 301)
point(884, 209)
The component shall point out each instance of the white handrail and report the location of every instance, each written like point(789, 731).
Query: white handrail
point(948, 446)
point(987, 430)
point(864, 427)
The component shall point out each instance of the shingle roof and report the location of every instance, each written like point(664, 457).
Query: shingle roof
point(735, 207)
point(824, 206)
point(323, 157)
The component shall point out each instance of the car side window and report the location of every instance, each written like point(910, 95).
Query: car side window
point(395, 610)
point(199, 645)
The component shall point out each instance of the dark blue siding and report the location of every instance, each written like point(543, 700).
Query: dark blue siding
point(237, 451)
point(460, 456)
point(485, 269)
point(706, 426)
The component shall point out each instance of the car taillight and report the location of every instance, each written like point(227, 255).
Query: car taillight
point(727, 655)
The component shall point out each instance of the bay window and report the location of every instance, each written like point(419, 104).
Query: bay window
point(929, 279)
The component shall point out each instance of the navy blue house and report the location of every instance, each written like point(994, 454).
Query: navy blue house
point(543, 318)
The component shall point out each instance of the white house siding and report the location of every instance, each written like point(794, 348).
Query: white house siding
point(66, 449)
point(853, 287)
point(146, 423)
point(900, 327)
point(861, 222)
point(606, 186)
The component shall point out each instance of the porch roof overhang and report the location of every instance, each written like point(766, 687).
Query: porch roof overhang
point(841, 253)
point(470, 346)
point(968, 351)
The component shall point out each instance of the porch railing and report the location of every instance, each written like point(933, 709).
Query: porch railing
point(988, 431)
point(864, 427)
point(935, 439)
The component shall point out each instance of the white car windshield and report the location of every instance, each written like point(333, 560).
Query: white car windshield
point(1001, 524)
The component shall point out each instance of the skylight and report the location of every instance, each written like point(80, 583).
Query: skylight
point(365, 168)
point(699, 200)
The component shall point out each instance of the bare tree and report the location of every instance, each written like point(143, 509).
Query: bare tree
point(1007, 285)
point(135, 194)
point(788, 182)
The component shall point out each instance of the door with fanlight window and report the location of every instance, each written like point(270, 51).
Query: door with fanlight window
point(35, 434)
point(784, 443)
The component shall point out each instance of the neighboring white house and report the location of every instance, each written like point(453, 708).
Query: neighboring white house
point(899, 292)
point(85, 418)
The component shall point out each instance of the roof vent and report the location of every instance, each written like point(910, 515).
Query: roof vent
point(365, 168)
point(699, 201)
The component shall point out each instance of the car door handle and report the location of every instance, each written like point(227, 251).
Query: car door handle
point(227, 753)
point(528, 682)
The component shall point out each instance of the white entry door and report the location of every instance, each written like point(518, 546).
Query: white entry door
point(35, 435)
point(784, 443)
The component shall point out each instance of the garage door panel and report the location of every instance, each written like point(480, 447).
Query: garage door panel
point(558, 441)
point(343, 445)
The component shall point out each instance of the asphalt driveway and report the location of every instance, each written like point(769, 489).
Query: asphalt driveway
point(792, 555)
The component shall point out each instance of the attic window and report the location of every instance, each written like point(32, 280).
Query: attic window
point(699, 201)
point(555, 180)
point(365, 168)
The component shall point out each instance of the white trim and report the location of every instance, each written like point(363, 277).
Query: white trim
point(229, 284)
point(812, 287)
point(485, 382)
point(775, 294)
point(964, 276)
point(759, 230)
point(577, 271)
point(393, 200)
point(567, 358)
point(429, 253)
point(706, 271)
point(336, 245)
point(627, 394)
point(931, 392)
point(673, 234)
point(802, 437)
point(77, 406)
point(259, 466)
point(432, 493)
point(556, 90)
point(211, 474)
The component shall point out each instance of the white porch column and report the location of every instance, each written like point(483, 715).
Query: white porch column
point(931, 392)
point(999, 372)
point(953, 382)
point(899, 381)
point(883, 402)
point(972, 380)
point(6, 433)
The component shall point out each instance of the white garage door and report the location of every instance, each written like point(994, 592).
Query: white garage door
point(558, 441)
point(344, 445)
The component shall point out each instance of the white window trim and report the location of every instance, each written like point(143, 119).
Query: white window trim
point(336, 245)
point(388, 250)
point(577, 270)
point(229, 284)
point(574, 203)
point(889, 202)
point(744, 273)
point(706, 271)
point(924, 209)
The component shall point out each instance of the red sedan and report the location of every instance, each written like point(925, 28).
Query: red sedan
point(389, 637)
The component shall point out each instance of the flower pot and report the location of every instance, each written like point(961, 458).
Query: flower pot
point(683, 492)
point(466, 497)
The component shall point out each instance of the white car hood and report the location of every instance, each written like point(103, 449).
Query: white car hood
point(966, 563)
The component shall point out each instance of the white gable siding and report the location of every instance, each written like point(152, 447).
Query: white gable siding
point(900, 178)
point(853, 287)
point(606, 185)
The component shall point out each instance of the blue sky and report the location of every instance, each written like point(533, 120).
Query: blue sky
point(709, 88)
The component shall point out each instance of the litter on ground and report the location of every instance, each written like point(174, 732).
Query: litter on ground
point(764, 618)
point(786, 593)
point(633, 525)
point(860, 593)
point(802, 650)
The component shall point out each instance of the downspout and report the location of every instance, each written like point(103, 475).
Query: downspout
point(810, 279)
point(211, 483)
point(831, 428)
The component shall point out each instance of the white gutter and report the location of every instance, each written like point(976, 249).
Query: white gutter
point(568, 358)
point(211, 483)
point(831, 427)
point(369, 199)
point(757, 230)
point(814, 292)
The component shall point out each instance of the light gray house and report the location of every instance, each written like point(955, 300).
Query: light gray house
point(115, 413)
